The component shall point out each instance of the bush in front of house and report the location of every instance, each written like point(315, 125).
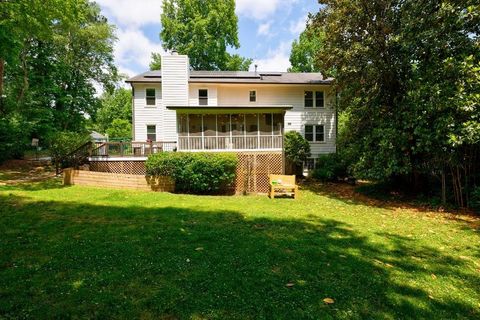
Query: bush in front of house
point(297, 150)
point(198, 173)
point(329, 167)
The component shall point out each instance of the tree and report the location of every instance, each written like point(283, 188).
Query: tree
point(297, 149)
point(62, 147)
point(56, 51)
point(116, 105)
point(203, 30)
point(119, 129)
point(156, 63)
point(405, 70)
point(304, 50)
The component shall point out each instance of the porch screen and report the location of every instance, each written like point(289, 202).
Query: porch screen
point(250, 131)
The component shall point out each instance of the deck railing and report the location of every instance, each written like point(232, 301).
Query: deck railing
point(143, 149)
point(244, 142)
point(131, 149)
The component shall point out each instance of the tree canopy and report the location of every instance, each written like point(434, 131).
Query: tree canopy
point(408, 76)
point(304, 50)
point(52, 53)
point(203, 30)
point(116, 105)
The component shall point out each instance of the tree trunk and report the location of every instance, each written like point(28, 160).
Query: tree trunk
point(460, 191)
point(444, 187)
point(21, 94)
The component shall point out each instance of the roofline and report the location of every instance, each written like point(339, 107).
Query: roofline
point(320, 82)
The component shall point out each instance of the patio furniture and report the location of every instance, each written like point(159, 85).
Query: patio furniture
point(282, 185)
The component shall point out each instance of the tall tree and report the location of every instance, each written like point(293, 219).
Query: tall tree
point(60, 48)
point(203, 30)
point(115, 105)
point(406, 74)
point(156, 63)
point(304, 50)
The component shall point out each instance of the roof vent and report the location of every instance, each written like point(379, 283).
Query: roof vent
point(174, 52)
point(256, 66)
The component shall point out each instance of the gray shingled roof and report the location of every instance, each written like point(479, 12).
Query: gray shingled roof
point(239, 77)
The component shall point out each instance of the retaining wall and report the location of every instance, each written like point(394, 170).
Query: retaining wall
point(117, 180)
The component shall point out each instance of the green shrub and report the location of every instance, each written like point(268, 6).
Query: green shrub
point(62, 144)
point(329, 167)
point(297, 150)
point(199, 173)
point(13, 139)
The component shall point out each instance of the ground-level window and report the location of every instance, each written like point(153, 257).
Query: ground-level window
point(150, 97)
point(315, 133)
point(203, 97)
point(309, 164)
point(152, 133)
point(253, 96)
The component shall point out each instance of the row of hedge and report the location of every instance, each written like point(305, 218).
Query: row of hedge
point(198, 173)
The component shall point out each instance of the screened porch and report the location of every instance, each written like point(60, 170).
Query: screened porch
point(231, 131)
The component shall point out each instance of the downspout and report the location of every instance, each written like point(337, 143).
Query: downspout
point(336, 120)
point(133, 112)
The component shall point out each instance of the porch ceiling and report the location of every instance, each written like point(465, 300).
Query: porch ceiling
point(231, 109)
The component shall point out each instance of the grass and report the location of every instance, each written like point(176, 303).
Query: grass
point(77, 252)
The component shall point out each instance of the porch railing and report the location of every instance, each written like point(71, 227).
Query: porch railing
point(243, 142)
point(131, 149)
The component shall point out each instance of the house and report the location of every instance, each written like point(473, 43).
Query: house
point(179, 109)
point(97, 137)
point(231, 111)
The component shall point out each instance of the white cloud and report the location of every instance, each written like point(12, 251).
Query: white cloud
point(264, 29)
point(258, 9)
point(275, 60)
point(134, 48)
point(298, 26)
point(132, 12)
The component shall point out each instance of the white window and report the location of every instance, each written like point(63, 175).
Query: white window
point(150, 96)
point(319, 99)
point(151, 132)
point(315, 133)
point(253, 95)
point(308, 99)
point(314, 99)
point(203, 97)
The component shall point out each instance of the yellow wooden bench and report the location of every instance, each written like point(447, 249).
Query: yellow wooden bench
point(282, 184)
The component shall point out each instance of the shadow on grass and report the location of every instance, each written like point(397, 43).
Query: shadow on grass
point(63, 260)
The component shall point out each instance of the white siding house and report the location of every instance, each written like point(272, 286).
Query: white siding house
point(212, 111)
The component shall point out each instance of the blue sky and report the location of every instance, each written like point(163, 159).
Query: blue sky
point(266, 30)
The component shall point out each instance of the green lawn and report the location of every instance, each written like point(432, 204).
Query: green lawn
point(76, 252)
